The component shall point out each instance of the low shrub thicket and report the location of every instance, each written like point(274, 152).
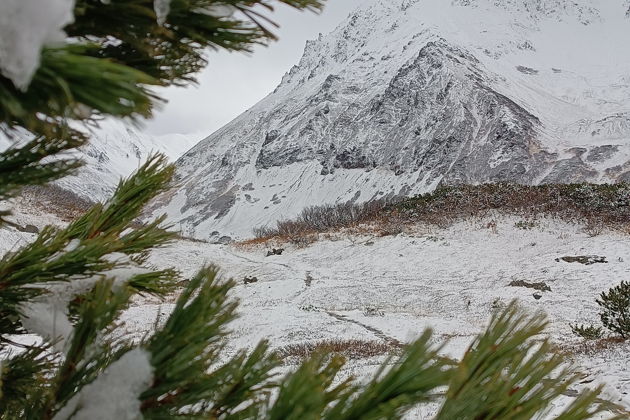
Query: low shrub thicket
point(52, 198)
point(350, 349)
point(318, 219)
point(606, 204)
point(594, 206)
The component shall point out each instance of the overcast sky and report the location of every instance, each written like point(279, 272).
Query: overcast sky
point(233, 82)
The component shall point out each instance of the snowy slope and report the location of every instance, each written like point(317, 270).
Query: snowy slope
point(392, 288)
point(407, 94)
point(115, 150)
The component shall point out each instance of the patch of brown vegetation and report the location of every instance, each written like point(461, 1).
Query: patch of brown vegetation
point(591, 205)
point(596, 207)
point(263, 243)
point(314, 220)
point(55, 200)
point(350, 349)
point(591, 347)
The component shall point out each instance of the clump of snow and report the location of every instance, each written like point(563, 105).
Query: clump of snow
point(47, 316)
point(162, 9)
point(25, 27)
point(114, 394)
point(73, 245)
point(217, 10)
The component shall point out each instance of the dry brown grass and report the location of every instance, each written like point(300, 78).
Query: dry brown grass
point(591, 347)
point(305, 229)
point(53, 199)
point(262, 243)
point(596, 207)
point(350, 349)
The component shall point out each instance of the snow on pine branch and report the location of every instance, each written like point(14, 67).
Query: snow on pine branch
point(114, 394)
point(217, 11)
point(47, 315)
point(25, 27)
point(162, 9)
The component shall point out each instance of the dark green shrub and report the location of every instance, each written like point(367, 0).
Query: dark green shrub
point(589, 332)
point(616, 309)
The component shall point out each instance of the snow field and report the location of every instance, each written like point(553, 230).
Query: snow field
point(450, 280)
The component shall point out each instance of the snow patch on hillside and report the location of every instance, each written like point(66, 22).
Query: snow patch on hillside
point(114, 151)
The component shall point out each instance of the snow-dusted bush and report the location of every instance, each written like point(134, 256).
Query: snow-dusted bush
point(595, 206)
point(615, 314)
point(324, 218)
point(589, 332)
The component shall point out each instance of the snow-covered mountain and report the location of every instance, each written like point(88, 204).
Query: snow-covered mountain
point(407, 94)
point(115, 150)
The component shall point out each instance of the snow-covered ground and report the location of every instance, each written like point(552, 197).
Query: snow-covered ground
point(392, 288)
point(446, 279)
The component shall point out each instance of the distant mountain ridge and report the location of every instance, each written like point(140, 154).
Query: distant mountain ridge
point(407, 94)
point(115, 150)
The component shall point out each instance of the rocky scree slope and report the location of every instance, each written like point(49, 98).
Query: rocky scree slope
point(406, 95)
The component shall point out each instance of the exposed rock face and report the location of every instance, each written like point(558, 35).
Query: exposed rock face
point(436, 115)
point(408, 94)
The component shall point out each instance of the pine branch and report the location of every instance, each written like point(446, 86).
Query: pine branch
point(412, 380)
point(156, 283)
point(72, 84)
point(185, 348)
point(172, 53)
point(239, 388)
point(506, 373)
point(103, 240)
point(23, 165)
point(86, 358)
point(119, 213)
point(21, 379)
point(307, 392)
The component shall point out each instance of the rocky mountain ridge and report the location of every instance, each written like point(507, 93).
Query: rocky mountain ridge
point(407, 94)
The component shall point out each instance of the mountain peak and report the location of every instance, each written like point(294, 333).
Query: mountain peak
point(408, 94)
